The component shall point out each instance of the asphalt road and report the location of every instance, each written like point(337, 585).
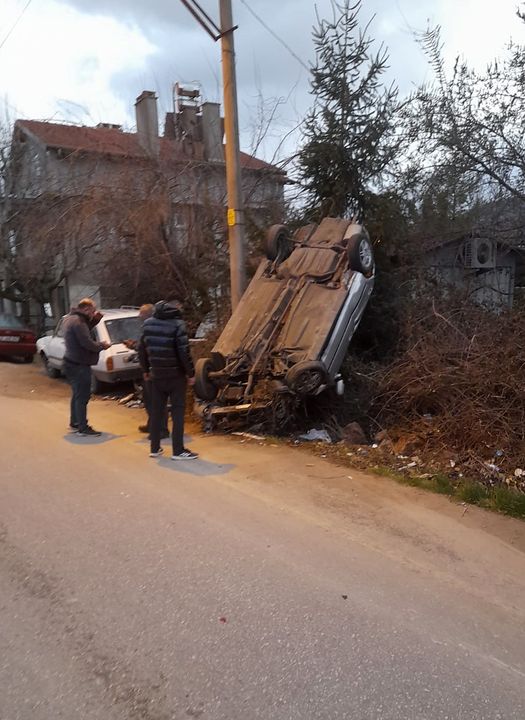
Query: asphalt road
point(256, 582)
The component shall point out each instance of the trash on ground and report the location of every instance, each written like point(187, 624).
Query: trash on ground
point(315, 435)
point(251, 436)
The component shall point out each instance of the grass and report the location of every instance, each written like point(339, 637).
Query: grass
point(505, 500)
point(501, 499)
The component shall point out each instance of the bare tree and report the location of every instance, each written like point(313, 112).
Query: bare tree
point(471, 123)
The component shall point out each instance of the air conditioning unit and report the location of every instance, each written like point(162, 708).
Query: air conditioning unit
point(480, 254)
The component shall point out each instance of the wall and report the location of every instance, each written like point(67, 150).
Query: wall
point(492, 287)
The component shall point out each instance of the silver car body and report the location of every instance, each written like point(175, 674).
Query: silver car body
point(299, 312)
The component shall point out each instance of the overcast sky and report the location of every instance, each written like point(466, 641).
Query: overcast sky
point(85, 61)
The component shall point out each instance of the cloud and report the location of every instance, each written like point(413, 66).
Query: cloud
point(60, 58)
point(100, 54)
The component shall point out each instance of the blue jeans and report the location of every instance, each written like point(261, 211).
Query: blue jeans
point(79, 377)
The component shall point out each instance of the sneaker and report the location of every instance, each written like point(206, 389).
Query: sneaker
point(185, 455)
point(89, 432)
point(143, 428)
point(157, 453)
point(73, 428)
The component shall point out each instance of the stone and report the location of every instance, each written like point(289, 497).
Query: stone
point(353, 434)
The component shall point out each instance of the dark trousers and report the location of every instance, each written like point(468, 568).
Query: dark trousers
point(79, 377)
point(173, 388)
point(146, 399)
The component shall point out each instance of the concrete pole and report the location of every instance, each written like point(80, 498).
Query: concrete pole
point(233, 165)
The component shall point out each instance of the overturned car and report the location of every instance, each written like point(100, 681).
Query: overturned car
point(289, 334)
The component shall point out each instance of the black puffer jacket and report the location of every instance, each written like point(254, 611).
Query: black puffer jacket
point(164, 350)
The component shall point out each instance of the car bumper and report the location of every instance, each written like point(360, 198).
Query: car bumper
point(118, 375)
point(13, 349)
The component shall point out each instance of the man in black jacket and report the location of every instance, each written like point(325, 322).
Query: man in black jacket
point(81, 353)
point(165, 359)
point(145, 312)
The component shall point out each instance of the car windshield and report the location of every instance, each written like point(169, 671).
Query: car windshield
point(121, 329)
point(10, 322)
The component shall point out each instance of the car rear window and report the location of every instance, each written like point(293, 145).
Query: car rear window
point(10, 322)
point(121, 329)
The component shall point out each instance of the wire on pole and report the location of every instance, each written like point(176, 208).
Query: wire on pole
point(203, 18)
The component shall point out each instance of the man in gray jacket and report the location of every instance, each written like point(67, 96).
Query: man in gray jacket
point(81, 353)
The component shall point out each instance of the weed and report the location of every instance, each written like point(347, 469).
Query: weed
point(472, 492)
point(508, 501)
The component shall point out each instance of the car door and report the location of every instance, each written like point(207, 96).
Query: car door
point(57, 347)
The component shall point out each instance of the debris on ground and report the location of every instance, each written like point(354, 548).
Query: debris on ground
point(315, 435)
point(125, 397)
point(250, 436)
point(353, 434)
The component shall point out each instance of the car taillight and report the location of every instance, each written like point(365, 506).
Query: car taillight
point(109, 364)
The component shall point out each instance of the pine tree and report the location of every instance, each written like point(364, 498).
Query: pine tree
point(348, 134)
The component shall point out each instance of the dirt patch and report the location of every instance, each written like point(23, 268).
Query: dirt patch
point(29, 382)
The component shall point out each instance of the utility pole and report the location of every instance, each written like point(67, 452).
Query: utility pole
point(235, 216)
point(233, 162)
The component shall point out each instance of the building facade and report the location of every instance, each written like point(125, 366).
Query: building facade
point(81, 199)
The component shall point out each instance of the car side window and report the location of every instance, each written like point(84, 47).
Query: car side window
point(59, 331)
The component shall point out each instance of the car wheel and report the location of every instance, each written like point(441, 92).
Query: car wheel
point(218, 360)
point(204, 387)
point(278, 245)
point(51, 371)
point(360, 254)
point(306, 377)
point(281, 412)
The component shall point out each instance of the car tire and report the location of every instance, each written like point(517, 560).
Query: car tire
point(204, 388)
point(278, 245)
point(51, 371)
point(282, 412)
point(218, 360)
point(360, 254)
point(306, 377)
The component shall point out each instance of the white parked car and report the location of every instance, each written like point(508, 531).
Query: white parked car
point(116, 364)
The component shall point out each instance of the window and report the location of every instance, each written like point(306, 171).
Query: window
point(121, 329)
point(10, 322)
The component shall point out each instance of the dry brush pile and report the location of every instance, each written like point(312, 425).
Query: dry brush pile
point(459, 385)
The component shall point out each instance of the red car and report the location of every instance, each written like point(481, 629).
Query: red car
point(16, 340)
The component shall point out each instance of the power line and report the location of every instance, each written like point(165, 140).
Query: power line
point(274, 34)
point(28, 3)
point(202, 17)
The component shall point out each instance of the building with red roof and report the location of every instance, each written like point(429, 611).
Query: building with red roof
point(86, 198)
